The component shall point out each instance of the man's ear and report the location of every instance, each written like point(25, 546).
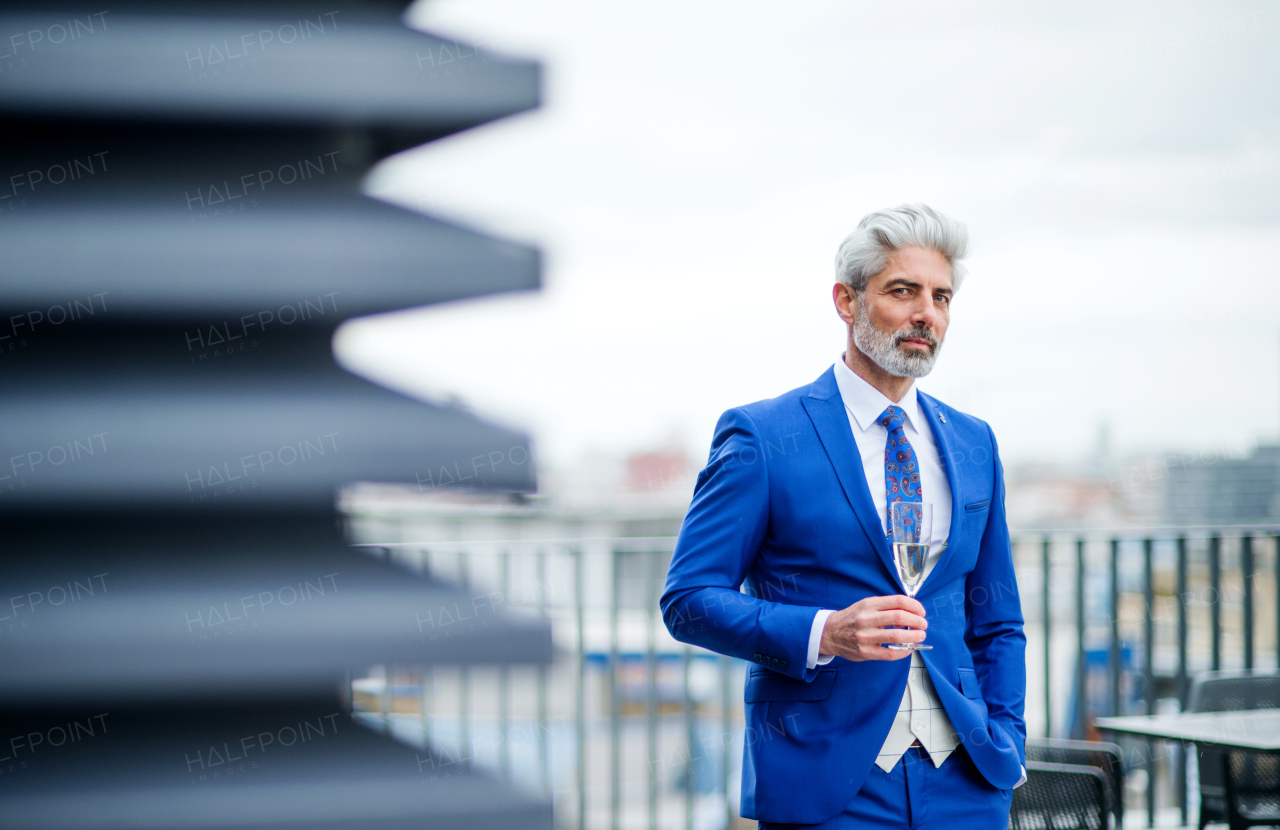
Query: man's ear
point(846, 302)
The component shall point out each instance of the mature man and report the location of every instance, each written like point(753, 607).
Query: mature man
point(784, 561)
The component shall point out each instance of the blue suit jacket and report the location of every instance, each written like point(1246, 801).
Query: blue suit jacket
point(783, 510)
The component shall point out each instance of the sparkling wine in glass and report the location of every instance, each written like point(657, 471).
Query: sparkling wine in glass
point(912, 526)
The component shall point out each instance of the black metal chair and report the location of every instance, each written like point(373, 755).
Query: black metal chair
point(1227, 692)
point(1105, 756)
point(1252, 788)
point(1060, 797)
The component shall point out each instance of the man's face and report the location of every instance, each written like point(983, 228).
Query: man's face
point(900, 320)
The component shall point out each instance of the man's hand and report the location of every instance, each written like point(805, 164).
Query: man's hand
point(859, 631)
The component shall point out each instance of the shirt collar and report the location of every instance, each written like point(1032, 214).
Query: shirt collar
point(867, 403)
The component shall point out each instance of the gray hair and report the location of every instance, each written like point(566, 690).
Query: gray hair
point(865, 252)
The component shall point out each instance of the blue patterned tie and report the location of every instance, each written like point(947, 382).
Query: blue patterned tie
point(901, 470)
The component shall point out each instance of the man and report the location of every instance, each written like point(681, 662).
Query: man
point(791, 508)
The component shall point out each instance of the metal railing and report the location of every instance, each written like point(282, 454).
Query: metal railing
point(630, 729)
point(1185, 599)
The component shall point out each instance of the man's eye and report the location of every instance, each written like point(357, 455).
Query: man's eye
point(943, 298)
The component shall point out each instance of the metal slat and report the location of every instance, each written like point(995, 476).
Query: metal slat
point(1215, 605)
point(651, 686)
point(726, 725)
point(1082, 657)
point(465, 753)
point(544, 725)
point(1114, 611)
point(159, 449)
point(268, 603)
point(1047, 615)
point(1183, 678)
point(359, 255)
point(504, 682)
point(314, 767)
point(1148, 670)
point(686, 702)
point(148, 65)
point(1247, 574)
point(615, 703)
point(581, 697)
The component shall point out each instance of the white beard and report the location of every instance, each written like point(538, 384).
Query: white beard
point(884, 349)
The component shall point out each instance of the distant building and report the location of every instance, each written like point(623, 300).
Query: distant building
point(1211, 491)
point(1178, 488)
point(1061, 496)
point(658, 470)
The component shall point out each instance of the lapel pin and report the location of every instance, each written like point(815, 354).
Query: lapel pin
point(942, 417)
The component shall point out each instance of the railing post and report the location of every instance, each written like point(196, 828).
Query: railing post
point(504, 682)
point(384, 702)
point(1047, 614)
point(1148, 671)
point(1182, 672)
point(1246, 577)
point(1275, 548)
point(1082, 657)
point(427, 688)
point(1114, 612)
point(651, 692)
point(726, 729)
point(464, 683)
point(425, 704)
point(579, 601)
point(544, 726)
point(1183, 677)
point(690, 739)
point(615, 713)
point(1215, 607)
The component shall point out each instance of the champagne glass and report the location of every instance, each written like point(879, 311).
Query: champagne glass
point(912, 525)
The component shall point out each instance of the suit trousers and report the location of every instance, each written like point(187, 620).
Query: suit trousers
point(915, 795)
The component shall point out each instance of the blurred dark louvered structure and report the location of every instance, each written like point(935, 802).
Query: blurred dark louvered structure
point(181, 231)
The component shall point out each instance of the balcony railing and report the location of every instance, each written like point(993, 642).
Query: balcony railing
point(1126, 618)
point(630, 729)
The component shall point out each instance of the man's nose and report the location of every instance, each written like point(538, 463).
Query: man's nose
point(924, 314)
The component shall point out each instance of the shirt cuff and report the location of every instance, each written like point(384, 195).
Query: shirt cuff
point(814, 659)
point(1021, 780)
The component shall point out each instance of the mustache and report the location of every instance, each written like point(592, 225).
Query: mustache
point(917, 333)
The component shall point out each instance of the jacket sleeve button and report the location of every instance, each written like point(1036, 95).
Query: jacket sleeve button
point(759, 659)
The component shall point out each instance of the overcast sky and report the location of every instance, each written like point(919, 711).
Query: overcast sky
point(697, 163)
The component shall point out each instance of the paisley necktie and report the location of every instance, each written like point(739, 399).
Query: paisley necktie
point(901, 470)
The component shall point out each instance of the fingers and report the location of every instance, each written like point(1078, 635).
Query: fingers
point(898, 635)
point(872, 637)
point(885, 619)
point(869, 642)
point(860, 631)
point(890, 602)
point(877, 651)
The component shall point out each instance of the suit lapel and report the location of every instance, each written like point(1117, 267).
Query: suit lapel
point(826, 410)
point(946, 443)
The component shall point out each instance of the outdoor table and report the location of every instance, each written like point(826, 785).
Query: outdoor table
point(1257, 729)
